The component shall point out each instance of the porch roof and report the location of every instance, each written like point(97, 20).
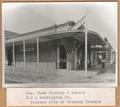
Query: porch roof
point(93, 37)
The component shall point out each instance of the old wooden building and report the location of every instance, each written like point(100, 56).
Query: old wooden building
point(57, 47)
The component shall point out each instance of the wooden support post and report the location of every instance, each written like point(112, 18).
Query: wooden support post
point(67, 62)
point(89, 55)
point(24, 55)
point(58, 61)
point(86, 50)
point(37, 54)
point(13, 54)
point(75, 60)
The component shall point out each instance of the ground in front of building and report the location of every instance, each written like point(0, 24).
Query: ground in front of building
point(102, 75)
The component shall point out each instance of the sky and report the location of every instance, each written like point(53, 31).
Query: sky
point(26, 17)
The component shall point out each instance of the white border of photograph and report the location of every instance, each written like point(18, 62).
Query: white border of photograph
point(57, 85)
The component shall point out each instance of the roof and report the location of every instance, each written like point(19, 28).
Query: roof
point(61, 27)
point(10, 34)
point(59, 32)
point(93, 37)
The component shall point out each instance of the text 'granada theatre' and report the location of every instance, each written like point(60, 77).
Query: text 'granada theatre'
point(68, 46)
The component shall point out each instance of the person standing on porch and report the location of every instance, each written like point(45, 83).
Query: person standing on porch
point(103, 62)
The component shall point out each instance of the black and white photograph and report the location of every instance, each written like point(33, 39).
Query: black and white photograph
point(60, 43)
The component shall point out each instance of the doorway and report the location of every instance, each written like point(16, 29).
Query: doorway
point(9, 55)
point(62, 58)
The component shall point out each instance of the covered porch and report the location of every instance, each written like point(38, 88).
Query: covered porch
point(59, 50)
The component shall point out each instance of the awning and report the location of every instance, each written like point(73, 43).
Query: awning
point(93, 37)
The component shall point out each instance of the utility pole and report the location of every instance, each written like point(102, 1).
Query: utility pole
point(86, 44)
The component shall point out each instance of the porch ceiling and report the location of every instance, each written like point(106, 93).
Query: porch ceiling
point(93, 37)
